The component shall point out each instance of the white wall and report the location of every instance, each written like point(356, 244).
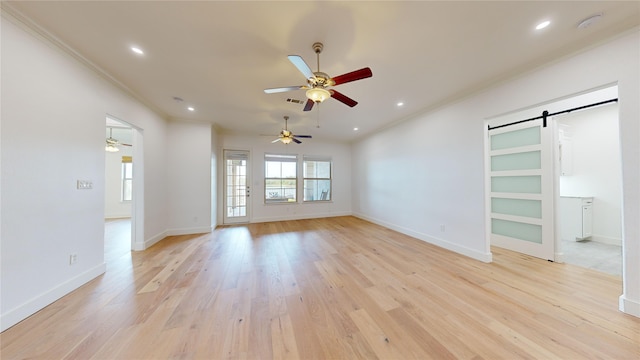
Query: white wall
point(259, 145)
point(432, 178)
point(595, 163)
point(113, 206)
point(435, 176)
point(189, 178)
point(53, 126)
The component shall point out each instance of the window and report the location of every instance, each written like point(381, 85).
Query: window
point(127, 178)
point(317, 178)
point(280, 183)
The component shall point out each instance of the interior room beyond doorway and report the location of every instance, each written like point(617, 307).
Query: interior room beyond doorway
point(590, 168)
point(118, 183)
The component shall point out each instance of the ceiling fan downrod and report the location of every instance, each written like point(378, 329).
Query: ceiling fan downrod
point(317, 47)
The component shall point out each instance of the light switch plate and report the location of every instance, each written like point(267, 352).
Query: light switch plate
point(85, 184)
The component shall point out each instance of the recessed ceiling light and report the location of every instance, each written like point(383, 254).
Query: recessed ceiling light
point(400, 103)
point(543, 25)
point(191, 108)
point(355, 129)
point(137, 50)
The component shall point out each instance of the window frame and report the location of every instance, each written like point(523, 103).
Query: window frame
point(126, 177)
point(323, 197)
point(283, 198)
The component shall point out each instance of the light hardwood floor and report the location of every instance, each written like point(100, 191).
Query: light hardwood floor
point(117, 238)
point(337, 288)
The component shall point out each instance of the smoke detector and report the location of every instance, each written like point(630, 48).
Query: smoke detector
point(589, 21)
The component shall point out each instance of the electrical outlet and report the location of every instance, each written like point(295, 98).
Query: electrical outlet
point(73, 258)
point(441, 227)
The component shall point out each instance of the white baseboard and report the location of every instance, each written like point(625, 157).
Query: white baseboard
point(170, 232)
point(629, 306)
point(150, 241)
point(188, 231)
point(463, 250)
point(606, 240)
point(36, 304)
point(300, 217)
point(118, 216)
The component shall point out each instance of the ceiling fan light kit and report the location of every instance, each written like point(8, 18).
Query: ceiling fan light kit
point(318, 94)
point(111, 148)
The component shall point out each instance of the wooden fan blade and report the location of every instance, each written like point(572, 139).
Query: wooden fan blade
point(283, 89)
point(302, 66)
point(352, 76)
point(296, 140)
point(303, 136)
point(125, 144)
point(309, 105)
point(343, 98)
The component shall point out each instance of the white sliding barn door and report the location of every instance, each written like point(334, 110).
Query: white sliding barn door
point(520, 188)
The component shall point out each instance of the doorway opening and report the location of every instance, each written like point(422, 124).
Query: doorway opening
point(589, 187)
point(124, 192)
point(237, 180)
point(501, 206)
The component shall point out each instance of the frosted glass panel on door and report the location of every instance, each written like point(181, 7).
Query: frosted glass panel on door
point(518, 161)
point(516, 138)
point(517, 207)
point(517, 230)
point(517, 184)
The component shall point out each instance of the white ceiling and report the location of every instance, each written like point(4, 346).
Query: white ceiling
point(219, 55)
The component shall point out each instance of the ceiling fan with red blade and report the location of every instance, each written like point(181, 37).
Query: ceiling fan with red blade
point(287, 136)
point(319, 83)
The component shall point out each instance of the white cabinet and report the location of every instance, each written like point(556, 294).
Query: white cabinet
point(575, 218)
point(566, 157)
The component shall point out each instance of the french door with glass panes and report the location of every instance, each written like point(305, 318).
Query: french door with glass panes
point(237, 182)
point(520, 188)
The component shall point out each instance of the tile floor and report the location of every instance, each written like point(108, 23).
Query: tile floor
point(593, 255)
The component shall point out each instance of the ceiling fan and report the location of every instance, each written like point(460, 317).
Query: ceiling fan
point(287, 136)
point(319, 83)
point(112, 144)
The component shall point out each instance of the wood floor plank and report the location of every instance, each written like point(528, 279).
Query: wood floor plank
point(283, 338)
point(377, 338)
point(330, 321)
point(336, 288)
point(308, 345)
point(171, 265)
